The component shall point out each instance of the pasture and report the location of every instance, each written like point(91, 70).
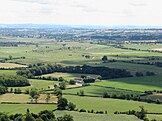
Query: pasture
point(145, 83)
point(99, 91)
point(39, 84)
point(96, 117)
point(111, 105)
point(8, 72)
point(21, 108)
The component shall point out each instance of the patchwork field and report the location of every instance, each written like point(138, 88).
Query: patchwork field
point(11, 65)
point(73, 53)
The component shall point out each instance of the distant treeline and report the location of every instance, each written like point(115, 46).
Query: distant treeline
point(105, 72)
point(14, 43)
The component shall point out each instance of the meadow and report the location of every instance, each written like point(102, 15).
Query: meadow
point(111, 105)
point(145, 83)
point(22, 108)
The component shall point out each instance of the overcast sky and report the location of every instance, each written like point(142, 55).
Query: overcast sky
point(82, 12)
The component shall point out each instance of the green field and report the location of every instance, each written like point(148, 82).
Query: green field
point(10, 72)
point(135, 83)
point(21, 108)
point(98, 91)
point(96, 117)
point(111, 105)
point(39, 84)
point(53, 52)
point(153, 116)
point(133, 68)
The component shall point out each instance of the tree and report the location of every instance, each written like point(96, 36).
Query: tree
point(71, 106)
point(62, 85)
point(72, 82)
point(34, 94)
point(142, 113)
point(104, 58)
point(57, 91)
point(81, 93)
point(62, 103)
point(10, 57)
point(29, 117)
point(66, 117)
point(48, 97)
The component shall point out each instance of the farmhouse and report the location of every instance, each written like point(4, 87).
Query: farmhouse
point(79, 81)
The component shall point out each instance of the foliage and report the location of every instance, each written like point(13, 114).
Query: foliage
point(13, 81)
point(105, 72)
point(62, 103)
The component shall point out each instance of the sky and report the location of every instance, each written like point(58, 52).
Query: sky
point(82, 12)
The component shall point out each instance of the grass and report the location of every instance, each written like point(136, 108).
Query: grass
point(8, 72)
point(24, 98)
point(68, 76)
point(98, 91)
point(133, 68)
point(111, 105)
point(135, 83)
point(96, 117)
point(153, 116)
point(39, 84)
point(11, 65)
point(21, 108)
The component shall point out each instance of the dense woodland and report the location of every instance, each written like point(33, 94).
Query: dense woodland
point(104, 72)
point(13, 81)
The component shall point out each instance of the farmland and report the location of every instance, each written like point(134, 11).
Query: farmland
point(39, 53)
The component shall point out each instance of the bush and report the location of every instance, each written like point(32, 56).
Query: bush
point(82, 110)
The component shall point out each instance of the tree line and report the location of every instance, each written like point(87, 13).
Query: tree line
point(44, 115)
point(104, 72)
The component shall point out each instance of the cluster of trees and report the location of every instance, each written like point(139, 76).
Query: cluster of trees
point(3, 89)
point(142, 114)
point(148, 73)
point(44, 115)
point(105, 72)
point(130, 97)
point(13, 81)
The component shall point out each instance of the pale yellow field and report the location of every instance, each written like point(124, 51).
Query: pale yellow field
point(24, 98)
point(69, 75)
point(11, 65)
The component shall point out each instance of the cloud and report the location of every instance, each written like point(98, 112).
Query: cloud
point(35, 1)
point(129, 12)
point(138, 3)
